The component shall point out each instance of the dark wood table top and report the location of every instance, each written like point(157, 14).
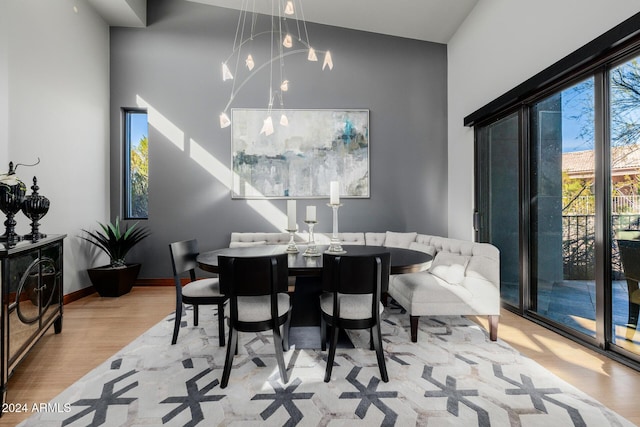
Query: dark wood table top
point(402, 260)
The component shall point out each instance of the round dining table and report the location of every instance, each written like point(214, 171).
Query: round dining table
point(305, 285)
point(402, 260)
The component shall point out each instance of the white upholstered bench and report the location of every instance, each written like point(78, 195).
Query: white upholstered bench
point(463, 279)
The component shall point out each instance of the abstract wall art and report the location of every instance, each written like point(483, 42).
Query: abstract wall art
point(301, 158)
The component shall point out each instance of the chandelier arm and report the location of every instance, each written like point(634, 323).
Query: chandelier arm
point(298, 25)
point(305, 44)
point(243, 17)
point(304, 22)
point(281, 51)
point(255, 71)
point(244, 24)
point(270, 104)
point(254, 18)
point(242, 13)
point(281, 96)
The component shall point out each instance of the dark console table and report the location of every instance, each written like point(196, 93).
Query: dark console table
point(31, 280)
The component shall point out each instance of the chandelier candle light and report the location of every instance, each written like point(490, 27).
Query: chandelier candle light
point(285, 40)
point(310, 220)
point(292, 226)
point(334, 202)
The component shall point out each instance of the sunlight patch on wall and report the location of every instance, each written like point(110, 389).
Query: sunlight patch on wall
point(222, 173)
point(208, 162)
point(212, 165)
point(162, 124)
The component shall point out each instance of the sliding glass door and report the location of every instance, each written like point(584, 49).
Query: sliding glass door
point(624, 166)
point(497, 198)
point(558, 192)
point(562, 200)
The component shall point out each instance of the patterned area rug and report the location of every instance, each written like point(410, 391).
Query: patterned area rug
point(454, 376)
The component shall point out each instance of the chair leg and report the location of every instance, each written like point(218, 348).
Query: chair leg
point(493, 327)
point(323, 333)
point(277, 342)
point(414, 327)
point(233, 341)
point(285, 332)
point(176, 324)
point(376, 337)
point(221, 324)
point(632, 323)
point(195, 314)
point(371, 346)
point(332, 352)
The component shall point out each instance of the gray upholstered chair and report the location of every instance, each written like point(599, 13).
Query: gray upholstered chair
point(197, 291)
point(352, 288)
point(258, 301)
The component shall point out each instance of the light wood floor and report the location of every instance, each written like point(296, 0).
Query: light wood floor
point(95, 328)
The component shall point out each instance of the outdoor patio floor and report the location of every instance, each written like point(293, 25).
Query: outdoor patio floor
point(572, 303)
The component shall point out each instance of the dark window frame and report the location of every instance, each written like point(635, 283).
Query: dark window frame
point(126, 162)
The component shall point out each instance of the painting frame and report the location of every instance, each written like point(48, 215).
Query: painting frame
point(298, 160)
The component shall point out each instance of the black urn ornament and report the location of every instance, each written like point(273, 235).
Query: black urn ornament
point(12, 193)
point(35, 207)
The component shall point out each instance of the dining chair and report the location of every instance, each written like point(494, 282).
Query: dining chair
point(630, 259)
point(352, 287)
point(258, 301)
point(197, 291)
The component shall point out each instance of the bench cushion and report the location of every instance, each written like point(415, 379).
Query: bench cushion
point(423, 293)
point(399, 240)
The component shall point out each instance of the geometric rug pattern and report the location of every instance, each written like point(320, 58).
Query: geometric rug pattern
point(454, 376)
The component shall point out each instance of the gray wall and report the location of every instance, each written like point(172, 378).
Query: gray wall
point(174, 66)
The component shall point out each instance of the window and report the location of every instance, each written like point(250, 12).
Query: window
point(136, 164)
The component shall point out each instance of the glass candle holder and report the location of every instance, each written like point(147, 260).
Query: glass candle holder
point(291, 247)
point(335, 246)
point(312, 249)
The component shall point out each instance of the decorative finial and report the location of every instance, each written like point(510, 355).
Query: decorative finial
point(35, 187)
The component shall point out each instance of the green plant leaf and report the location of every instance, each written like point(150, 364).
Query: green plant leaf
point(114, 242)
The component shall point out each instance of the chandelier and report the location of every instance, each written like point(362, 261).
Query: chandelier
point(287, 37)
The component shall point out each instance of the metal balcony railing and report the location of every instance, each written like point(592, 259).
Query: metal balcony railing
point(578, 239)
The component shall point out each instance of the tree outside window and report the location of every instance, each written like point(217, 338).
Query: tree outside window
point(136, 174)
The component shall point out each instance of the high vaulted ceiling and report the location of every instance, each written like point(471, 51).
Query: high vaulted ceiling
point(428, 20)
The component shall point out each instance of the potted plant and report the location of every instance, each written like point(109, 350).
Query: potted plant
point(117, 278)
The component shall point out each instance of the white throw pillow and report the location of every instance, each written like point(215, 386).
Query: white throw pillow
point(449, 267)
point(247, 244)
point(399, 240)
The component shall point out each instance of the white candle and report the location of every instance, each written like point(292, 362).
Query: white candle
point(335, 193)
point(291, 215)
point(311, 213)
